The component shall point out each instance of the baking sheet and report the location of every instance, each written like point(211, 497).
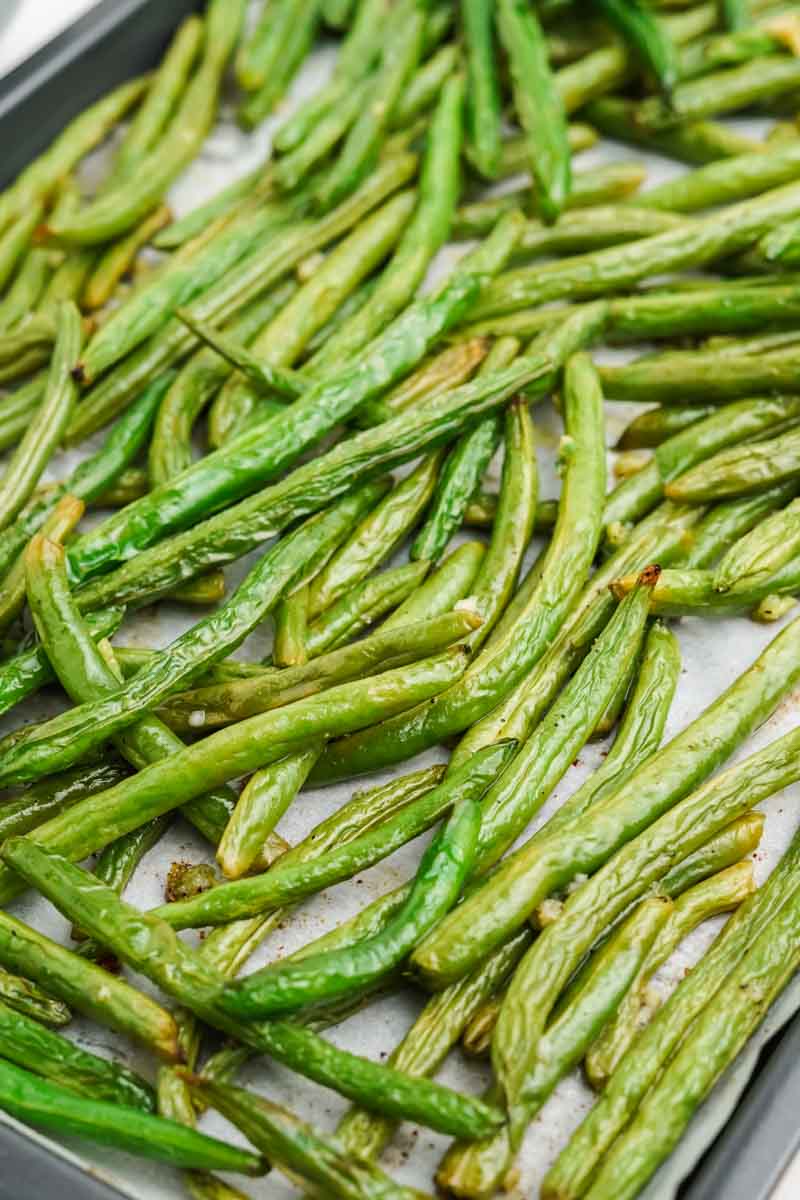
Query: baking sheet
point(714, 653)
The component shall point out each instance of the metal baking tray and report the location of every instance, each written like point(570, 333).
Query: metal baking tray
point(112, 42)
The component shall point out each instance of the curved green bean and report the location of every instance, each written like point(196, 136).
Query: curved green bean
point(444, 867)
point(148, 944)
point(47, 426)
point(204, 643)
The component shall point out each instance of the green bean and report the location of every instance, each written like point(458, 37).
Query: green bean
point(781, 245)
point(69, 279)
point(758, 555)
point(147, 944)
point(92, 477)
point(425, 86)
point(602, 271)
point(246, 461)
point(290, 881)
point(704, 375)
point(718, 894)
point(640, 731)
point(647, 38)
point(87, 673)
point(163, 786)
point(474, 1168)
point(511, 532)
point(527, 783)
point(262, 374)
point(15, 241)
point(426, 232)
point(694, 142)
point(211, 638)
point(659, 538)
point(24, 673)
point(121, 206)
point(736, 13)
point(436, 375)
point(657, 425)
point(462, 473)
point(569, 554)
point(222, 704)
point(765, 78)
point(364, 604)
point(440, 876)
point(28, 285)
point(263, 802)
point(545, 864)
point(725, 181)
point(729, 846)
point(160, 100)
point(603, 185)
point(741, 470)
point(37, 333)
point(16, 410)
point(569, 1177)
point(733, 1013)
point(45, 430)
point(171, 445)
point(695, 591)
point(60, 523)
point(290, 625)
point(87, 130)
point(257, 53)
point(86, 988)
point(376, 537)
point(538, 105)
point(40, 1102)
point(401, 51)
point(728, 426)
point(182, 230)
point(591, 228)
point(514, 150)
point(118, 260)
point(428, 1041)
point(442, 589)
point(33, 806)
point(245, 525)
point(250, 277)
point(293, 168)
point(483, 91)
point(296, 1148)
point(33, 1002)
point(29, 1045)
point(290, 48)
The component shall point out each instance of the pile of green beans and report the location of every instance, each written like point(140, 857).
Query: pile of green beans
point(330, 436)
